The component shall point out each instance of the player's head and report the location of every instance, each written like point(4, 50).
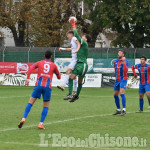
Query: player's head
point(48, 54)
point(86, 38)
point(70, 34)
point(143, 59)
point(121, 53)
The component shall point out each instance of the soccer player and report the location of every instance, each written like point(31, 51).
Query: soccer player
point(43, 86)
point(121, 68)
point(81, 67)
point(75, 46)
point(144, 86)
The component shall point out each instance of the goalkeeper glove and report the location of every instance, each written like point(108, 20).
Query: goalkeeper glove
point(73, 23)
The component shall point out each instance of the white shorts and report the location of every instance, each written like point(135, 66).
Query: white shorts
point(72, 64)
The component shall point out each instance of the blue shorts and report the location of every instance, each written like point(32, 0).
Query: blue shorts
point(120, 84)
point(144, 88)
point(44, 91)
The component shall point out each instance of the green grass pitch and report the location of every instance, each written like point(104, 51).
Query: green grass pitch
point(91, 114)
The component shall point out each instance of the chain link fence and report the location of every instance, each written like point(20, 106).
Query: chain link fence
point(33, 54)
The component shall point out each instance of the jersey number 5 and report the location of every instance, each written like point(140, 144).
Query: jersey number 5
point(46, 68)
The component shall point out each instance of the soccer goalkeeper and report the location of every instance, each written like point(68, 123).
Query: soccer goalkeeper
point(81, 67)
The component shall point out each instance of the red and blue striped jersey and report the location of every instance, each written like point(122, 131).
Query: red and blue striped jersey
point(46, 69)
point(143, 72)
point(121, 69)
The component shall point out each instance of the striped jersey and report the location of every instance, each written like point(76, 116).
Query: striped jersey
point(46, 69)
point(121, 69)
point(144, 72)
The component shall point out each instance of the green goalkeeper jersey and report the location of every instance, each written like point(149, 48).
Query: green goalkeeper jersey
point(84, 49)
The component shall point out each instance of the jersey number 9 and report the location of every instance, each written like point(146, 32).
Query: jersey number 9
point(46, 68)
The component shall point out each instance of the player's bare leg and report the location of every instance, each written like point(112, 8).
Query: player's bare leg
point(117, 101)
point(76, 97)
point(44, 114)
point(148, 97)
point(141, 102)
point(62, 87)
point(26, 112)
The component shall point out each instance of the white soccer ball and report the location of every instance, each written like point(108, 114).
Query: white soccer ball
point(73, 18)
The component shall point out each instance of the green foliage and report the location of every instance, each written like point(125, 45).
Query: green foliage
point(44, 23)
point(129, 18)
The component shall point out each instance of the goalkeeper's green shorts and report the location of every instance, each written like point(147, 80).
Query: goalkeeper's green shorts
point(80, 69)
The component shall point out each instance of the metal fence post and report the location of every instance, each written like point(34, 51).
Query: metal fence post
point(107, 52)
point(55, 53)
point(135, 54)
point(4, 54)
point(29, 54)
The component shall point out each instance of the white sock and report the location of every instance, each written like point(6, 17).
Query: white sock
point(41, 122)
point(66, 79)
point(75, 84)
point(124, 109)
point(118, 109)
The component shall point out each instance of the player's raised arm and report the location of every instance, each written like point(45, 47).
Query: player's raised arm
point(133, 70)
point(125, 64)
point(33, 67)
point(74, 26)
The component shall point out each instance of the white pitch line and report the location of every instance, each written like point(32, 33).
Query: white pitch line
point(34, 144)
point(19, 143)
point(59, 121)
point(13, 96)
point(63, 95)
point(62, 121)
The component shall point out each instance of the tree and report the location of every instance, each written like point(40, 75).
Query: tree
point(129, 18)
point(43, 23)
point(14, 17)
point(86, 20)
point(48, 23)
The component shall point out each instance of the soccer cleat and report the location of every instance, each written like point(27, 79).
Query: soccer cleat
point(68, 97)
point(74, 99)
point(21, 123)
point(139, 111)
point(74, 93)
point(117, 112)
point(123, 113)
point(61, 87)
point(40, 126)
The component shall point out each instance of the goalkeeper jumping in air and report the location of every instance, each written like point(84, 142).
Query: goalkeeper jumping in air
point(81, 67)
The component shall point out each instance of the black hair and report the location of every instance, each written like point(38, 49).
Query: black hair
point(143, 57)
point(48, 54)
point(88, 37)
point(124, 52)
point(70, 32)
